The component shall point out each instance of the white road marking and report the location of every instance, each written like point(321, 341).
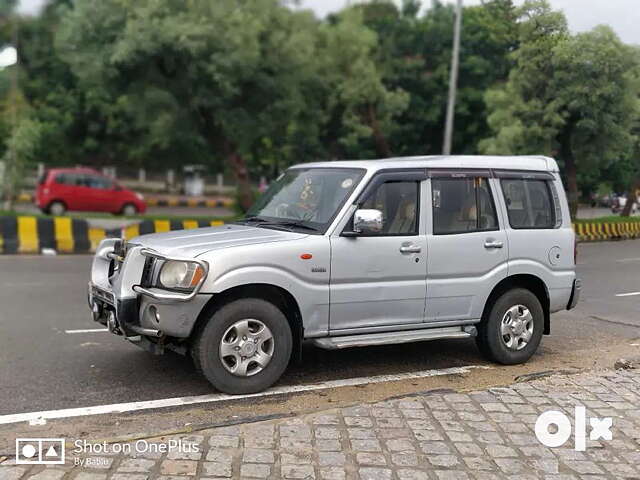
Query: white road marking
point(221, 397)
point(633, 259)
point(87, 330)
point(630, 294)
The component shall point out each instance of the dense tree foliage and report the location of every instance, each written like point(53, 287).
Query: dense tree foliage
point(252, 87)
point(574, 97)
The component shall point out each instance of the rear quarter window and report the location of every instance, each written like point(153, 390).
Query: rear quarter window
point(530, 203)
point(43, 177)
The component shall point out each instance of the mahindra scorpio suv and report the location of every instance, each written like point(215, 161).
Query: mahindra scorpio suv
point(352, 254)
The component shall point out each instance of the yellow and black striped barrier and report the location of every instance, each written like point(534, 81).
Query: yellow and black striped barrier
point(29, 234)
point(159, 226)
point(25, 198)
point(189, 202)
point(598, 231)
point(161, 201)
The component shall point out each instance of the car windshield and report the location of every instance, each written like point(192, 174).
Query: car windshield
point(305, 199)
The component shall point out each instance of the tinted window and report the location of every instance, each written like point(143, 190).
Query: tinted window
point(43, 177)
point(529, 203)
point(69, 179)
point(398, 202)
point(462, 205)
point(103, 183)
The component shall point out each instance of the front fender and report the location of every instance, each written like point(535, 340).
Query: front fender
point(299, 267)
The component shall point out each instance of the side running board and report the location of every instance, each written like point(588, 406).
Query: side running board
point(390, 338)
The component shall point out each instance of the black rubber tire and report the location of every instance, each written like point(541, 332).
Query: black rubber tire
point(129, 214)
point(489, 340)
point(205, 349)
point(51, 208)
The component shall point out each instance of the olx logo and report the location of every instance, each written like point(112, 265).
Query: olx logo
point(600, 428)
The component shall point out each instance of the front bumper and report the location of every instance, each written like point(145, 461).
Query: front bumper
point(120, 316)
point(120, 297)
point(575, 294)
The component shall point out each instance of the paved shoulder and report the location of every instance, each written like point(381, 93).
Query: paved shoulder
point(481, 434)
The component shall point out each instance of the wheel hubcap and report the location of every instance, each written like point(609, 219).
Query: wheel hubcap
point(246, 347)
point(516, 328)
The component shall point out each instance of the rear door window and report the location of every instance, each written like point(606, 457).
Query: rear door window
point(462, 205)
point(70, 179)
point(103, 183)
point(530, 203)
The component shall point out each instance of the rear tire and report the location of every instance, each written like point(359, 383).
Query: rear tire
point(512, 330)
point(129, 210)
point(57, 208)
point(245, 346)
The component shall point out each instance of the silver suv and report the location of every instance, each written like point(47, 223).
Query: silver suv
point(350, 254)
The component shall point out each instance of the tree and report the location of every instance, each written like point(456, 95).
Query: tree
point(223, 75)
point(365, 106)
point(413, 54)
point(572, 97)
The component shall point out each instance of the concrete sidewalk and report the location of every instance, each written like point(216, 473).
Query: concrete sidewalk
point(435, 435)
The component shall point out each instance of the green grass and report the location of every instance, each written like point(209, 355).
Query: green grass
point(608, 219)
point(82, 215)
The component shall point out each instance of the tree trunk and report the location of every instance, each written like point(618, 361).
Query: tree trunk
point(8, 196)
point(570, 169)
point(382, 146)
point(631, 198)
point(241, 174)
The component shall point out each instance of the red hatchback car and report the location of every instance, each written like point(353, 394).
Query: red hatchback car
point(84, 189)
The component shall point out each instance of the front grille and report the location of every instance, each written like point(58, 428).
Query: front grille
point(147, 273)
point(102, 295)
point(117, 259)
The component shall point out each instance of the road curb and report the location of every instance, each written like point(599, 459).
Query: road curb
point(602, 231)
point(188, 202)
point(161, 201)
point(32, 235)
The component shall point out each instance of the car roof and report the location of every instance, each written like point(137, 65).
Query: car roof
point(74, 170)
point(523, 162)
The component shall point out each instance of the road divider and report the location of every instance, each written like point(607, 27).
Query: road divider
point(159, 226)
point(188, 202)
point(162, 201)
point(599, 231)
point(30, 234)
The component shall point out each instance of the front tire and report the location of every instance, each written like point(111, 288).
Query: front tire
point(512, 330)
point(245, 346)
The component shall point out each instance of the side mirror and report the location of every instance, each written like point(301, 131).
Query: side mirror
point(367, 222)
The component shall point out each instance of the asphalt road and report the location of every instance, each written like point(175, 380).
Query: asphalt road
point(44, 368)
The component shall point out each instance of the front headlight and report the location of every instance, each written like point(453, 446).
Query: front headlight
point(175, 274)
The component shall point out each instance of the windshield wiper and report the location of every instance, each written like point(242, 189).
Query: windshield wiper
point(294, 223)
point(253, 218)
point(287, 224)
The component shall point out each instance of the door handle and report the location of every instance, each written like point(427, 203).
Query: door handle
point(492, 244)
point(410, 249)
